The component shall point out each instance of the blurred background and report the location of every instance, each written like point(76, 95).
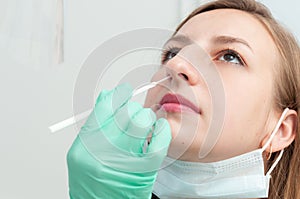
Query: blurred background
point(43, 45)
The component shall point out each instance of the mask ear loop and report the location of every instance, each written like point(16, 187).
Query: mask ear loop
point(275, 163)
point(271, 138)
point(270, 153)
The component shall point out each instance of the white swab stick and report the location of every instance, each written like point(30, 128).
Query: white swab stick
point(72, 120)
point(148, 86)
point(69, 121)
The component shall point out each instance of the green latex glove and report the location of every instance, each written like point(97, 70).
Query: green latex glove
point(108, 159)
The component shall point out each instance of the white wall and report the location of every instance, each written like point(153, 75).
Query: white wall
point(34, 96)
point(287, 13)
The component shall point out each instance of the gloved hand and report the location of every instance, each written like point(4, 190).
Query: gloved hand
point(108, 158)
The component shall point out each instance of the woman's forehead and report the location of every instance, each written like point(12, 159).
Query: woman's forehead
point(227, 22)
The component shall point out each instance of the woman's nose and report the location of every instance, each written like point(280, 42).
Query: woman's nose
point(181, 70)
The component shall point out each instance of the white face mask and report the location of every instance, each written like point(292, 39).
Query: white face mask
point(242, 176)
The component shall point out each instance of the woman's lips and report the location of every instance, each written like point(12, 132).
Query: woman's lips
point(177, 103)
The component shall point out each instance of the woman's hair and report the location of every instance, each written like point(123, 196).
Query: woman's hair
point(285, 181)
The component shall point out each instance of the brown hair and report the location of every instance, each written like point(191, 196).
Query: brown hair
point(285, 181)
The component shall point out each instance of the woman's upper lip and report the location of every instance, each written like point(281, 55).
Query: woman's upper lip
point(178, 99)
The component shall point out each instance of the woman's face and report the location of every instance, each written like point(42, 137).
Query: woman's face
point(244, 54)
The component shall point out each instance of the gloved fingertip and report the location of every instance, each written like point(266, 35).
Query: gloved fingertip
point(124, 87)
point(162, 125)
point(143, 118)
point(102, 95)
point(161, 137)
point(122, 90)
point(151, 113)
point(134, 107)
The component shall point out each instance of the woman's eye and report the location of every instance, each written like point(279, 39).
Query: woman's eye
point(168, 54)
point(232, 57)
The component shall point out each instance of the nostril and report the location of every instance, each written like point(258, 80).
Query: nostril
point(184, 76)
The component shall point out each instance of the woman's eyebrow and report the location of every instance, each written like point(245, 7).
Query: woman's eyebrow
point(230, 40)
point(182, 39)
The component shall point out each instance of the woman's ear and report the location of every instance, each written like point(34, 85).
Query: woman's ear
point(286, 133)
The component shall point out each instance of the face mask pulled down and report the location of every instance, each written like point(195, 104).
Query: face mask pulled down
point(242, 176)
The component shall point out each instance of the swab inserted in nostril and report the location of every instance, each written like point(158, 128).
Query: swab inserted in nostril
point(70, 121)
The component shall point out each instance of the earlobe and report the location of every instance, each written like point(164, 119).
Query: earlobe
point(286, 132)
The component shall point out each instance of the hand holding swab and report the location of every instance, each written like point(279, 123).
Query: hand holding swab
point(70, 121)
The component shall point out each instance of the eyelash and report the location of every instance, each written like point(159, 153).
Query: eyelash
point(175, 50)
point(166, 51)
point(234, 53)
